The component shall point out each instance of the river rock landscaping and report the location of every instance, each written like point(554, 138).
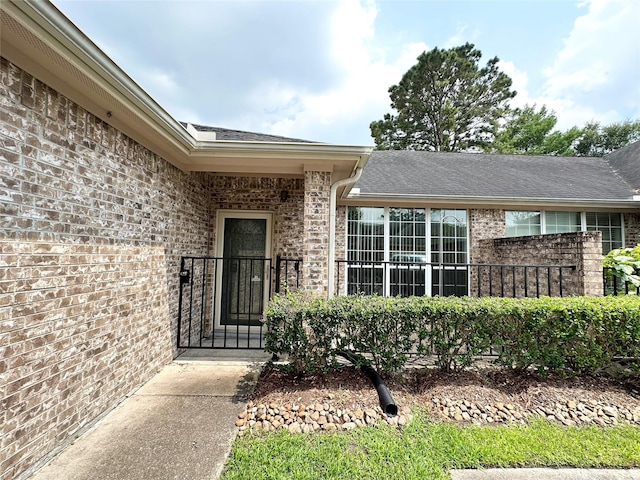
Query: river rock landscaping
point(344, 399)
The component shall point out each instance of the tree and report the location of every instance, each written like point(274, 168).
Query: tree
point(527, 131)
point(598, 140)
point(445, 102)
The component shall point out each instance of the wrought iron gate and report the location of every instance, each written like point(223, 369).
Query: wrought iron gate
point(222, 299)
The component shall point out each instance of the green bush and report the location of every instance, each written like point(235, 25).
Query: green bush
point(573, 334)
point(624, 264)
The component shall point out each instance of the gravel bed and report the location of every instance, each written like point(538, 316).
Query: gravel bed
point(345, 399)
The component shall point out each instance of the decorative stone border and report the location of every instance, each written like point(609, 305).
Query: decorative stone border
point(311, 418)
point(325, 417)
point(568, 413)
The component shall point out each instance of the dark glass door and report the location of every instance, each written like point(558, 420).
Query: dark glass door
point(244, 265)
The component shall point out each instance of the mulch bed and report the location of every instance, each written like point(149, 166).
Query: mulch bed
point(480, 395)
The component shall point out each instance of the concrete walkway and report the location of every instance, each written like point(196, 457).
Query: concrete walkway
point(179, 425)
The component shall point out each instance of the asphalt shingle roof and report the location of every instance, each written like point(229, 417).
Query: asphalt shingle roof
point(438, 174)
point(626, 163)
point(242, 136)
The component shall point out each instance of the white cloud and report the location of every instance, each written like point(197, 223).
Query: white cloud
point(359, 98)
point(463, 35)
point(160, 81)
point(520, 84)
point(596, 74)
point(322, 70)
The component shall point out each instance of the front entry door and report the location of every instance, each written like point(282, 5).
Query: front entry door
point(246, 240)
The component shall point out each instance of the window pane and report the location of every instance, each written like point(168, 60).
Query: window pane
point(521, 223)
point(561, 222)
point(365, 233)
point(610, 224)
point(407, 240)
point(449, 236)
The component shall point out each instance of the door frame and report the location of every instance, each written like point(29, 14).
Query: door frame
point(222, 215)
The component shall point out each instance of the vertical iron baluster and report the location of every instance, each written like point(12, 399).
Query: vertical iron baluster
point(202, 299)
point(491, 280)
point(213, 302)
point(560, 279)
point(178, 336)
point(191, 301)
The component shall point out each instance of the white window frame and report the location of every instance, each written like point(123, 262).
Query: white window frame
point(387, 244)
point(583, 220)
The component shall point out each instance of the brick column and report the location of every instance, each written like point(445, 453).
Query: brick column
point(590, 263)
point(632, 229)
point(315, 249)
point(483, 224)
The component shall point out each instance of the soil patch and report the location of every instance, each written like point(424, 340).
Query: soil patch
point(481, 395)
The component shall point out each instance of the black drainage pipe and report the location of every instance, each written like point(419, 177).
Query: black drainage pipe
point(386, 400)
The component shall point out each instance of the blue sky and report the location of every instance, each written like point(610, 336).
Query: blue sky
point(321, 70)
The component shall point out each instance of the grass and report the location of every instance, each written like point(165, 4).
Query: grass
point(427, 450)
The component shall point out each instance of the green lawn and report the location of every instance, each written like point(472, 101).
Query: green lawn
point(427, 450)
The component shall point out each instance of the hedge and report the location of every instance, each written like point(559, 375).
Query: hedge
point(571, 334)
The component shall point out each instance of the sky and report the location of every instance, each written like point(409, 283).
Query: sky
point(320, 70)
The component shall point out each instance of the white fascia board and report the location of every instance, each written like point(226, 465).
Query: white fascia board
point(53, 28)
point(390, 199)
point(316, 150)
point(190, 147)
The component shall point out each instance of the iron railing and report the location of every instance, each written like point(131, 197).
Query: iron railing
point(613, 285)
point(222, 300)
point(460, 279)
point(287, 273)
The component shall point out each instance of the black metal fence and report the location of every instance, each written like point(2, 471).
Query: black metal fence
point(287, 273)
point(409, 278)
point(222, 300)
point(613, 285)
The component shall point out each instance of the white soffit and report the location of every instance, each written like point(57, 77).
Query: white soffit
point(41, 40)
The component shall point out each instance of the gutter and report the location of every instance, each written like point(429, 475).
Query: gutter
point(72, 43)
point(413, 199)
point(332, 224)
point(48, 31)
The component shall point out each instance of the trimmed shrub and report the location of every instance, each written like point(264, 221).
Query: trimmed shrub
point(572, 334)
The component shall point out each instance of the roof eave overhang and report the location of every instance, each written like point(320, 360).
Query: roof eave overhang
point(488, 202)
point(42, 41)
point(271, 158)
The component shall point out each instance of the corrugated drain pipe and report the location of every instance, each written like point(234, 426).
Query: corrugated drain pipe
point(386, 400)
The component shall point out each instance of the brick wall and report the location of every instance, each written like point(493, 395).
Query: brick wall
point(317, 188)
point(92, 227)
point(340, 280)
point(483, 224)
point(264, 195)
point(582, 249)
point(632, 229)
